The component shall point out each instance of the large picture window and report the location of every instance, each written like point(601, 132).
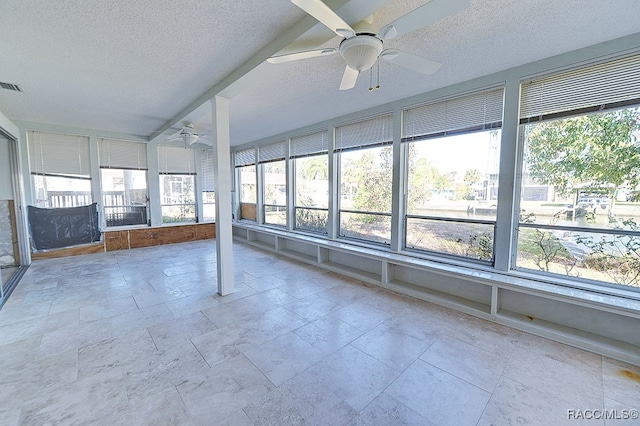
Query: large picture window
point(366, 170)
point(274, 181)
point(580, 185)
point(208, 188)
point(452, 162)
point(60, 169)
point(177, 184)
point(311, 164)
point(123, 177)
point(245, 162)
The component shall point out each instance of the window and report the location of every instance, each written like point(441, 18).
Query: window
point(274, 179)
point(366, 170)
point(208, 189)
point(60, 169)
point(580, 186)
point(452, 162)
point(123, 172)
point(177, 184)
point(311, 164)
point(245, 162)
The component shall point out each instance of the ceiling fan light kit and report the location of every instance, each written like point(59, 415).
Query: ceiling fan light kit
point(189, 138)
point(361, 52)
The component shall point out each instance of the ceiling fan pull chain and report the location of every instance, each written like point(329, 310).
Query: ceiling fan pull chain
point(378, 85)
point(370, 79)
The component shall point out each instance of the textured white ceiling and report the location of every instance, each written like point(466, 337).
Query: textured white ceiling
point(133, 66)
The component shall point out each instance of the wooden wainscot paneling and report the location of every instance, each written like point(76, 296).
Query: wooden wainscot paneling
point(116, 240)
point(136, 238)
point(248, 211)
point(205, 231)
point(71, 251)
point(14, 231)
point(163, 235)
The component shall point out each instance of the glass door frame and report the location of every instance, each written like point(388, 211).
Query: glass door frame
point(23, 254)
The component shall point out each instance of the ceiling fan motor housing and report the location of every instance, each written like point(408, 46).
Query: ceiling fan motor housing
point(361, 51)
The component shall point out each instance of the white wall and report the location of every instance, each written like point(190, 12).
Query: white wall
point(8, 129)
point(6, 192)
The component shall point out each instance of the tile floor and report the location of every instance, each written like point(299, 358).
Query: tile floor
point(140, 337)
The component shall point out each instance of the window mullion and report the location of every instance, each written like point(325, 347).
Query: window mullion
point(510, 156)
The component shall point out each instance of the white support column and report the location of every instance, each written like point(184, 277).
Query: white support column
point(291, 188)
point(259, 192)
point(198, 180)
point(222, 182)
point(334, 188)
point(96, 178)
point(506, 216)
point(398, 193)
point(153, 181)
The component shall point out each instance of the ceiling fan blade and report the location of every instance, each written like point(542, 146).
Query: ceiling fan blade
point(174, 136)
point(203, 140)
point(425, 15)
point(279, 59)
point(349, 78)
point(326, 16)
point(410, 61)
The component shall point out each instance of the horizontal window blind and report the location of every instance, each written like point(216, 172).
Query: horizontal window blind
point(373, 131)
point(175, 160)
point(58, 154)
point(120, 154)
point(271, 152)
point(599, 86)
point(472, 111)
point(312, 143)
point(207, 171)
point(246, 157)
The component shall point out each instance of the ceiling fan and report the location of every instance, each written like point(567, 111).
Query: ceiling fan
point(187, 135)
point(361, 46)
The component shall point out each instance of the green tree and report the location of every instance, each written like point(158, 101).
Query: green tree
point(374, 181)
point(472, 176)
point(601, 150)
point(422, 177)
point(444, 182)
point(315, 168)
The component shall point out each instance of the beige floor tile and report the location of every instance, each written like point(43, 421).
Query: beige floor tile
point(354, 376)
point(301, 401)
point(142, 337)
point(391, 346)
point(467, 362)
point(283, 358)
point(386, 410)
point(621, 382)
point(228, 387)
point(329, 334)
point(438, 396)
point(514, 403)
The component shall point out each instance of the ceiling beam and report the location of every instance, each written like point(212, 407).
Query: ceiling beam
point(273, 47)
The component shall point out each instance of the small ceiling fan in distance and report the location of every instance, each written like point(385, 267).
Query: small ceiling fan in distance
point(361, 46)
point(187, 135)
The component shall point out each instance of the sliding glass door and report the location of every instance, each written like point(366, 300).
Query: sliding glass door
point(10, 259)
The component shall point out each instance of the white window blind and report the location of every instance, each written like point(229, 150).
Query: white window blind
point(310, 144)
point(58, 154)
point(271, 152)
point(246, 157)
point(468, 112)
point(373, 131)
point(601, 85)
point(207, 171)
point(175, 160)
point(120, 154)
